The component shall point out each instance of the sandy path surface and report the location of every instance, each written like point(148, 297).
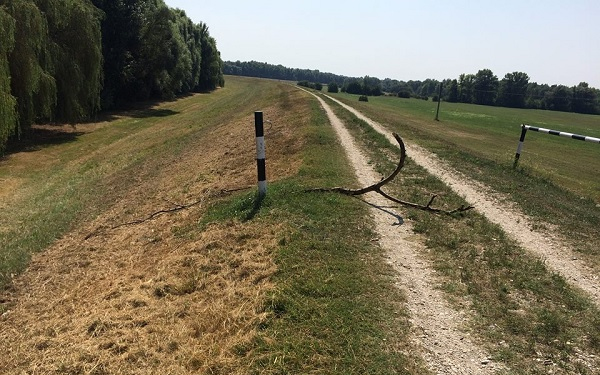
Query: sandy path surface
point(557, 255)
point(439, 331)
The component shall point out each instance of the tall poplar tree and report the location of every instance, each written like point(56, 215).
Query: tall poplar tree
point(211, 72)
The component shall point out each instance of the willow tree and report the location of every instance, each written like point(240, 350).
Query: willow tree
point(30, 65)
point(8, 113)
point(75, 46)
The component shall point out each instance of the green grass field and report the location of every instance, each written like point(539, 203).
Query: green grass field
point(333, 307)
point(492, 133)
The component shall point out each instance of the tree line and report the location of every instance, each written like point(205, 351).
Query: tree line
point(65, 60)
point(514, 90)
point(265, 70)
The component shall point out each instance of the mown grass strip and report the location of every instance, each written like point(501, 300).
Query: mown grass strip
point(528, 316)
point(64, 184)
point(334, 310)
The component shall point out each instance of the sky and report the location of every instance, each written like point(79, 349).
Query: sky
point(554, 42)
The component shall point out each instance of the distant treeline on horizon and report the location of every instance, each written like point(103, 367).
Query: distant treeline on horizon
point(514, 90)
point(63, 61)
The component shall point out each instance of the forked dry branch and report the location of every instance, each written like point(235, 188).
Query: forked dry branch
point(377, 188)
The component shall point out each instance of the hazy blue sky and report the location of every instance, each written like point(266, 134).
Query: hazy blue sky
point(555, 42)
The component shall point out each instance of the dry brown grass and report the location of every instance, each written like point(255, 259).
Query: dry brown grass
point(158, 297)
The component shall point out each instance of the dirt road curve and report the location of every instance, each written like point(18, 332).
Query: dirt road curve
point(436, 329)
point(556, 254)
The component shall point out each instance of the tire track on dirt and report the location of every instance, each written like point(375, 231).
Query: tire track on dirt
point(437, 330)
point(557, 255)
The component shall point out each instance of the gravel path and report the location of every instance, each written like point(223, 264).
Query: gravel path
point(437, 330)
point(557, 255)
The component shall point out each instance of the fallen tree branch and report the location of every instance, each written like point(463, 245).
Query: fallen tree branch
point(376, 188)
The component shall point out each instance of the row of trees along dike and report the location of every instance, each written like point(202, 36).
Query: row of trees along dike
point(514, 90)
point(65, 60)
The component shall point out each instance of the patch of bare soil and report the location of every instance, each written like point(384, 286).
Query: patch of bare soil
point(161, 296)
point(545, 244)
point(439, 332)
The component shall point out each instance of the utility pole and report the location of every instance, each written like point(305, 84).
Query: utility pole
point(437, 113)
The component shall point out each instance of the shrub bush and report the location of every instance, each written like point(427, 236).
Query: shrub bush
point(363, 98)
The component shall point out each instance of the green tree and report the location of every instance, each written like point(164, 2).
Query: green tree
point(353, 87)
point(428, 88)
point(8, 103)
point(157, 66)
point(513, 90)
point(333, 87)
point(192, 38)
point(75, 46)
point(211, 72)
point(466, 87)
point(452, 95)
point(121, 45)
point(585, 99)
point(371, 86)
point(535, 95)
point(32, 81)
point(485, 87)
point(558, 98)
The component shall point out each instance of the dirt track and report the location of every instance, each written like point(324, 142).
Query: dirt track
point(437, 330)
point(557, 255)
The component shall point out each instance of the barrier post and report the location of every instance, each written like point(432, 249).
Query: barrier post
point(260, 153)
point(520, 146)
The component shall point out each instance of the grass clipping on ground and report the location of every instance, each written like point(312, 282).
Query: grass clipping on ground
point(173, 308)
point(160, 296)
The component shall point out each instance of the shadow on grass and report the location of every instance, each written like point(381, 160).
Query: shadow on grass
point(153, 112)
point(253, 207)
point(139, 111)
point(38, 138)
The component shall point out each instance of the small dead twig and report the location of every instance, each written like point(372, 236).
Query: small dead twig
point(377, 188)
point(177, 207)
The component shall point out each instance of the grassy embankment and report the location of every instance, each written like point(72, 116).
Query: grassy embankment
point(68, 177)
point(333, 309)
point(527, 315)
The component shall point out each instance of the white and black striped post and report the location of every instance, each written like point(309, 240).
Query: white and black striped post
point(520, 146)
point(260, 153)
